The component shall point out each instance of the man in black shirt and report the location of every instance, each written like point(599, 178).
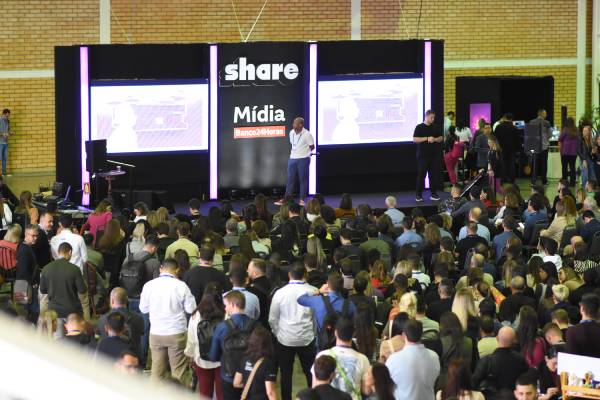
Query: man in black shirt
point(508, 139)
point(198, 278)
point(261, 287)
point(113, 345)
point(77, 333)
point(323, 373)
point(27, 269)
point(41, 248)
point(429, 156)
point(468, 242)
point(63, 283)
point(444, 304)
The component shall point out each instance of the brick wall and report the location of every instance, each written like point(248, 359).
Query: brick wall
point(472, 30)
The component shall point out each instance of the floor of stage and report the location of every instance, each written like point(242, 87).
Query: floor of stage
point(405, 200)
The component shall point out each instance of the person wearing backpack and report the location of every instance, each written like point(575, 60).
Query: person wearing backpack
point(230, 341)
point(293, 327)
point(167, 300)
point(209, 313)
point(327, 309)
point(139, 268)
point(351, 366)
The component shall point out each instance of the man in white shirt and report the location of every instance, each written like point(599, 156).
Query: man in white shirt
point(167, 300)
point(351, 365)
point(416, 382)
point(239, 278)
point(302, 144)
point(65, 234)
point(395, 215)
point(294, 328)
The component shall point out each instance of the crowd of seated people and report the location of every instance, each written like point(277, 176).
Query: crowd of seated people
point(473, 301)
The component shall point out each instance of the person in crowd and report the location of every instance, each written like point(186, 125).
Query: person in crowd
point(333, 290)
point(62, 281)
point(151, 267)
point(418, 381)
point(468, 242)
point(239, 279)
point(547, 374)
point(395, 215)
point(408, 236)
point(25, 208)
point(501, 369)
point(345, 209)
point(392, 338)
point(314, 276)
point(351, 365)
point(590, 227)
point(127, 364)
point(463, 131)
point(27, 269)
point(459, 384)
point(454, 150)
point(5, 133)
point(41, 248)
point(566, 213)
point(507, 135)
point(323, 372)
point(581, 337)
point(379, 382)
point(76, 333)
point(482, 230)
point(446, 299)
point(584, 151)
point(488, 343)
point(167, 300)
point(209, 313)
point(429, 156)
point(113, 344)
point(511, 305)
point(260, 363)
point(474, 201)
point(98, 220)
point(532, 345)
point(136, 328)
point(536, 215)
point(235, 303)
point(198, 278)
point(525, 388)
point(184, 243)
point(231, 238)
point(480, 146)
point(569, 143)
point(455, 345)
point(293, 327)
point(164, 240)
point(509, 226)
point(547, 249)
point(140, 210)
point(65, 235)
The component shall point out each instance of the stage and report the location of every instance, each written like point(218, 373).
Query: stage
point(406, 202)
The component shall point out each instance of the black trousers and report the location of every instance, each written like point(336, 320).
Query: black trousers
point(433, 165)
point(542, 165)
point(229, 392)
point(285, 358)
point(568, 168)
point(509, 161)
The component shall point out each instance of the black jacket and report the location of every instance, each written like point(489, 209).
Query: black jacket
point(502, 367)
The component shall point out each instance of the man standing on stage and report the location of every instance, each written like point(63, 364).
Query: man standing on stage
point(542, 158)
point(302, 144)
point(429, 156)
point(4, 133)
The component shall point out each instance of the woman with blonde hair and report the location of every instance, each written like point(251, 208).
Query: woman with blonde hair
point(282, 216)
point(408, 304)
point(138, 239)
point(13, 234)
point(26, 207)
point(163, 214)
point(464, 308)
point(152, 218)
point(561, 220)
point(568, 277)
point(313, 246)
point(313, 209)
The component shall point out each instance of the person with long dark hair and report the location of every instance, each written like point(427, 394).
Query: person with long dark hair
point(262, 212)
point(455, 345)
point(458, 383)
point(260, 360)
point(379, 382)
point(210, 312)
point(216, 222)
point(533, 346)
point(454, 150)
point(365, 333)
point(569, 142)
point(345, 209)
point(288, 244)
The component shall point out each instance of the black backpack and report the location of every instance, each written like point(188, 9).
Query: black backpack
point(327, 334)
point(235, 345)
point(132, 276)
point(205, 331)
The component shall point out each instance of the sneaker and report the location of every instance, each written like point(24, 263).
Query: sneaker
point(279, 202)
point(434, 197)
point(418, 198)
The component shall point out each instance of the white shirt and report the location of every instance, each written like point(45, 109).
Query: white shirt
point(416, 382)
point(192, 348)
point(7, 220)
point(464, 135)
point(301, 143)
point(554, 259)
point(139, 217)
point(355, 366)
point(291, 323)
point(79, 255)
point(252, 304)
point(167, 299)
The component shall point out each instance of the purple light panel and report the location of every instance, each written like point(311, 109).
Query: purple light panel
point(213, 142)
point(312, 115)
point(84, 87)
point(427, 84)
point(478, 111)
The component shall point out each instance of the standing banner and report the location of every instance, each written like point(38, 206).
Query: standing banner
point(262, 88)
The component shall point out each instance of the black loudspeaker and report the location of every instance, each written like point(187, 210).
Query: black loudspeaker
point(153, 198)
point(533, 138)
point(95, 151)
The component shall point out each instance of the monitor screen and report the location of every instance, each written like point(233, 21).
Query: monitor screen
point(369, 109)
point(150, 116)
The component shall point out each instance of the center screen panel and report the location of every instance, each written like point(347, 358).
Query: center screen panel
point(150, 117)
point(369, 109)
